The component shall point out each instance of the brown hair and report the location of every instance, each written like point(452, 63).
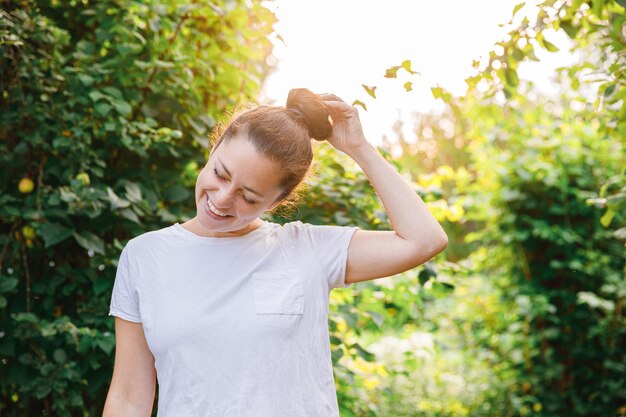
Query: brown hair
point(282, 134)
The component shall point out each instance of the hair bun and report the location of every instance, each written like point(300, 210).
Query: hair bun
point(311, 108)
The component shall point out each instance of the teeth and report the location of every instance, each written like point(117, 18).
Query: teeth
point(213, 209)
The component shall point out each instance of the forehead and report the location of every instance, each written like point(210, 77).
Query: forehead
point(248, 166)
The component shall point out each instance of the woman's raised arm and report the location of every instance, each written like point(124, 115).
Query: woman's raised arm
point(416, 235)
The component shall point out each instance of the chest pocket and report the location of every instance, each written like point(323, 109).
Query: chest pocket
point(278, 292)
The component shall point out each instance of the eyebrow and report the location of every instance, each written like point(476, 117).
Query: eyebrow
point(243, 186)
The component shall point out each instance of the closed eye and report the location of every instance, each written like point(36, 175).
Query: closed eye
point(248, 201)
point(218, 175)
point(224, 179)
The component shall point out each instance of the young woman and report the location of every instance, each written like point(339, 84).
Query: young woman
point(229, 311)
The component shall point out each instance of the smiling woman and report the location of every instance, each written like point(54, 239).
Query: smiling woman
point(230, 200)
point(233, 309)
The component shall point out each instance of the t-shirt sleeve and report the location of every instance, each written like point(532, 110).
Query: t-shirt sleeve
point(330, 245)
point(124, 298)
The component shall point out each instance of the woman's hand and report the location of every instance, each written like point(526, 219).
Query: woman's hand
point(347, 133)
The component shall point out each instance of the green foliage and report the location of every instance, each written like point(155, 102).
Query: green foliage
point(539, 326)
point(542, 163)
point(558, 165)
point(105, 114)
point(597, 29)
point(104, 121)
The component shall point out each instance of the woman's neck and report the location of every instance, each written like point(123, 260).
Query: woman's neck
point(193, 226)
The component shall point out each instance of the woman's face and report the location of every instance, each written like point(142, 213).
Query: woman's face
point(237, 182)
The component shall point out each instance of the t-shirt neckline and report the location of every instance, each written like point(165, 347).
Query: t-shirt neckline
point(177, 227)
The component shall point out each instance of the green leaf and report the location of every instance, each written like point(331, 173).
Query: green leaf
point(26, 317)
point(86, 80)
point(85, 47)
point(61, 142)
point(569, 28)
point(427, 272)
point(176, 193)
point(89, 241)
point(340, 218)
point(607, 217)
point(550, 46)
point(113, 92)
point(164, 64)
point(122, 107)
point(597, 6)
point(439, 92)
point(609, 90)
point(392, 72)
point(336, 354)
point(280, 38)
point(441, 289)
point(96, 95)
point(359, 103)
point(370, 90)
point(517, 7)
point(41, 390)
point(130, 215)
point(406, 64)
point(53, 233)
point(8, 284)
point(101, 285)
point(511, 77)
point(594, 301)
point(103, 109)
point(59, 355)
point(116, 201)
point(106, 344)
point(365, 354)
point(133, 192)
point(620, 234)
point(378, 318)
point(529, 51)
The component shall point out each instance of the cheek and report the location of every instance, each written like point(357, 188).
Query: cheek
point(246, 209)
point(204, 177)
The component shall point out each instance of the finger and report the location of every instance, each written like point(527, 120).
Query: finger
point(339, 107)
point(331, 97)
point(339, 110)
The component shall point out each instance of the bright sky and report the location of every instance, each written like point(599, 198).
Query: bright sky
point(333, 46)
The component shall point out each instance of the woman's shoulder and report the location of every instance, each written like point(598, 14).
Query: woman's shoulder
point(292, 227)
point(150, 238)
point(298, 228)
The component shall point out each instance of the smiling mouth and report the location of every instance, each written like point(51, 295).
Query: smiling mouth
point(214, 210)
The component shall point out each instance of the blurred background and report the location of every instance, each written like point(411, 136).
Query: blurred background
point(337, 46)
point(507, 118)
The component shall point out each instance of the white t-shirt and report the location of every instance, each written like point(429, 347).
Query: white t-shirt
point(238, 326)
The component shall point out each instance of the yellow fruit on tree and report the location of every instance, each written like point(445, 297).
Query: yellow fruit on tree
point(28, 232)
point(26, 185)
point(84, 178)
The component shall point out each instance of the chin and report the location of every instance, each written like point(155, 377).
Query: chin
point(216, 224)
point(207, 219)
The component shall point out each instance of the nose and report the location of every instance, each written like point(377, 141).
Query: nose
point(222, 198)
